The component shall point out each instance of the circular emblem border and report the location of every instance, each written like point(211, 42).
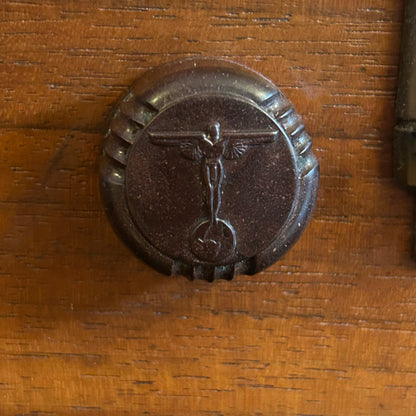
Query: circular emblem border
point(158, 89)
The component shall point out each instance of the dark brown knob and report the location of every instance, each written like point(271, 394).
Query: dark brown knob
point(207, 170)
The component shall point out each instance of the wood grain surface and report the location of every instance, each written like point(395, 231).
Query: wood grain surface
point(87, 329)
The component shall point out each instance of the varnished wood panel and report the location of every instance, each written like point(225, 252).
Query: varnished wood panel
point(87, 329)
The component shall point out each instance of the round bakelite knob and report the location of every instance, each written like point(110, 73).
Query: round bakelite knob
point(207, 171)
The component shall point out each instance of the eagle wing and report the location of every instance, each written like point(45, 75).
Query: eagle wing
point(188, 142)
point(237, 143)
